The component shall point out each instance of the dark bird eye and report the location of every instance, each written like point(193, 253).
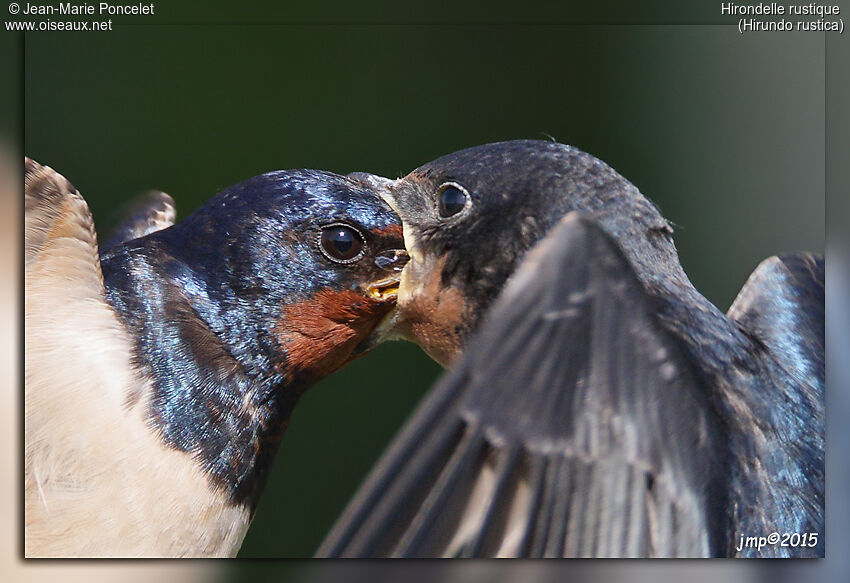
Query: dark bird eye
point(341, 243)
point(451, 200)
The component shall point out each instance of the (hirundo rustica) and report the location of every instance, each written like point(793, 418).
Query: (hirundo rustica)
point(162, 372)
point(599, 405)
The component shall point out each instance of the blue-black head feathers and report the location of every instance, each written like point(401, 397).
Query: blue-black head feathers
point(515, 193)
point(237, 310)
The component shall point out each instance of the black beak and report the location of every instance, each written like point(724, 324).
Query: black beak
point(392, 260)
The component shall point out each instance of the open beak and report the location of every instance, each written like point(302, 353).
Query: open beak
point(386, 289)
point(392, 261)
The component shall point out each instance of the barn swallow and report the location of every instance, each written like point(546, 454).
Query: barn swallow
point(599, 405)
point(161, 373)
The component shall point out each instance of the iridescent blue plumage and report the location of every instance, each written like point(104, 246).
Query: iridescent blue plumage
point(781, 311)
point(207, 301)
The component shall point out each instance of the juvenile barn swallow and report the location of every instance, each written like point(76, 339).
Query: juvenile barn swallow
point(161, 374)
point(603, 407)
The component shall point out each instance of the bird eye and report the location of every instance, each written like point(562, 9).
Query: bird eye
point(451, 199)
point(341, 243)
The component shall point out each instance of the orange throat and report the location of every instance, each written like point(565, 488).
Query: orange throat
point(320, 334)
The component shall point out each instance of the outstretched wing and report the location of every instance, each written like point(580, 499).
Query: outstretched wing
point(782, 304)
point(573, 426)
point(150, 212)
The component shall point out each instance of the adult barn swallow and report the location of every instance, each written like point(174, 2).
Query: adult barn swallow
point(604, 407)
point(161, 374)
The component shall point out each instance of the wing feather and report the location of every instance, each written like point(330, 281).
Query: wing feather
point(150, 212)
point(783, 305)
point(573, 426)
point(56, 216)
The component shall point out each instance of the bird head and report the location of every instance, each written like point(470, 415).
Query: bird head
point(238, 309)
point(292, 270)
point(469, 218)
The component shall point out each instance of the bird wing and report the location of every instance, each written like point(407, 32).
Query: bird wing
point(88, 448)
point(782, 304)
point(57, 220)
point(573, 426)
point(150, 212)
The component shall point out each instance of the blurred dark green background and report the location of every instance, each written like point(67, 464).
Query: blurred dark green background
point(724, 132)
